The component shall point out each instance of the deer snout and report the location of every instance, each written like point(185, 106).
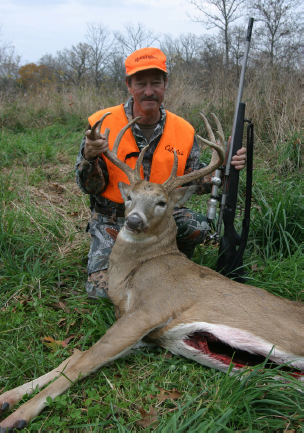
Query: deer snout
point(134, 222)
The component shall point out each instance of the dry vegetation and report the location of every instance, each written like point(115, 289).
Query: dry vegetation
point(272, 96)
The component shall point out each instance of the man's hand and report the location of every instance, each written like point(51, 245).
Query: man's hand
point(239, 160)
point(93, 148)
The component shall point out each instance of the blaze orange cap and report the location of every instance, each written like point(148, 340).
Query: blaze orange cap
point(145, 58)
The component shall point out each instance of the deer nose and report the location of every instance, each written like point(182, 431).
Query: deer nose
point(134, 222)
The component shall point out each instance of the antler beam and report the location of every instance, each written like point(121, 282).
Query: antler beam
point(133, 175)
point(173, 181)
point(217, 159)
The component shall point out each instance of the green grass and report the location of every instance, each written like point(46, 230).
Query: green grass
point(43, 248)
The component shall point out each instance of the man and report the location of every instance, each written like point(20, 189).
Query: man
point(146, 80)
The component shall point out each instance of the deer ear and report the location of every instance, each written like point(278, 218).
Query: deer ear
point(181, 195)
point(124, 189)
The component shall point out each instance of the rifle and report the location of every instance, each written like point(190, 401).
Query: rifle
point(233, 244)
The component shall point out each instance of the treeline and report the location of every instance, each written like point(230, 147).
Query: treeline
point(98, 61)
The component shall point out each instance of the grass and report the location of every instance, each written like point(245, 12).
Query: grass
point(43, 248)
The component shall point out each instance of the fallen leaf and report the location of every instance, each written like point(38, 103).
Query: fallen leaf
point(255, 268)
point(61, 305)
point(62, 283)
point(82, 310)
point(118, 411)
point(65, 342)
point(168, 395)
point(71, 324)
point(167, 355)
point(85, 311)
point(148, 418)
point(50, 343)
point(61, 322)
point(23, 301)
point(53, 344)
point(58, 187)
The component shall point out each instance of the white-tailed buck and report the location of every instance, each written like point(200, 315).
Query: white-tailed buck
point(162, 297)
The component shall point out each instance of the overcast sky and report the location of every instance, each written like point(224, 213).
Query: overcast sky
point(38, 27)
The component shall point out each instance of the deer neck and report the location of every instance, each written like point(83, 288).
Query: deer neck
point(130, 251)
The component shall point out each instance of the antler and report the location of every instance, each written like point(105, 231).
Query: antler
point(217, 159)
point(133, 175)
point(173, 181)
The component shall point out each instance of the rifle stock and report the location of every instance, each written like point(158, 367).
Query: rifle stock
point(231, 239)
point(233, 244)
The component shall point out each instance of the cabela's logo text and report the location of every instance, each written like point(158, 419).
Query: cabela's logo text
point(171, 150)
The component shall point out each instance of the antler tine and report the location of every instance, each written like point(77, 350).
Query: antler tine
point(172, 177)
point(121, 133)
point(95, 130)
point(176, 181)
point(112, 154)
point(208, 127)
point(219, 126)
point(139, 162)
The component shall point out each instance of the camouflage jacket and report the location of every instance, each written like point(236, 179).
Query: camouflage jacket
point(92, 176)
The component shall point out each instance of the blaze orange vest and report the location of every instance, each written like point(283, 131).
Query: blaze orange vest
point(178, 134)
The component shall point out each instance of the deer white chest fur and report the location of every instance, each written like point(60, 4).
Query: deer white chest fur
point(162, 297)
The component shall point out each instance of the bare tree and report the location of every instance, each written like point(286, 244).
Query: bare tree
point(134, 38)
point(116, 69)
point(182, 52)
point(87, 61)
point(219, 14)
point(74, 62)
point(57, 65)
point(100, 51)
point(9, 63)
point(278, 35)
point(236, 42)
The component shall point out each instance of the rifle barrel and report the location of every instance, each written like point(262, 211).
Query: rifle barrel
point(240, 92)
point(234, 127)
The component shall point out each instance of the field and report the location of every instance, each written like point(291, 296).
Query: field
point(44, 312)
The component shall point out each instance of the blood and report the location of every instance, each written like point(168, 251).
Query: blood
point(204, 340)
point(218, 350)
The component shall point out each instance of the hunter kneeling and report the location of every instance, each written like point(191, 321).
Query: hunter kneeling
point(162, 131)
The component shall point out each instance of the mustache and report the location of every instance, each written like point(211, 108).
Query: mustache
point(149, 98)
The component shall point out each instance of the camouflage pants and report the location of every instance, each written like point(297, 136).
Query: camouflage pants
point(192, 228)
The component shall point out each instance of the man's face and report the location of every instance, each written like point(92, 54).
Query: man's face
point(148, 91)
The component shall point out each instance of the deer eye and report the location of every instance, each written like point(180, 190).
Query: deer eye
point(129, 198)
point(161, 203)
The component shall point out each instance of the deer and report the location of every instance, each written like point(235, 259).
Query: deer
point(162, 297)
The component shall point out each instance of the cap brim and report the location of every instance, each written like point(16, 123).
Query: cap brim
point(144, 68)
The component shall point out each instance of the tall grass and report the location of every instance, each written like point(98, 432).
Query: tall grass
point(277, 220)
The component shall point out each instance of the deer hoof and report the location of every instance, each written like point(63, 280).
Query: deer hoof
point(21, 424)
point(4, 406)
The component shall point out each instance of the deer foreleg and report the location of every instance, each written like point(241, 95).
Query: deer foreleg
point(10, 398)
point(117, 341)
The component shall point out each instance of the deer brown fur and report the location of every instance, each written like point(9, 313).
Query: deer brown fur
point(162, 297)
